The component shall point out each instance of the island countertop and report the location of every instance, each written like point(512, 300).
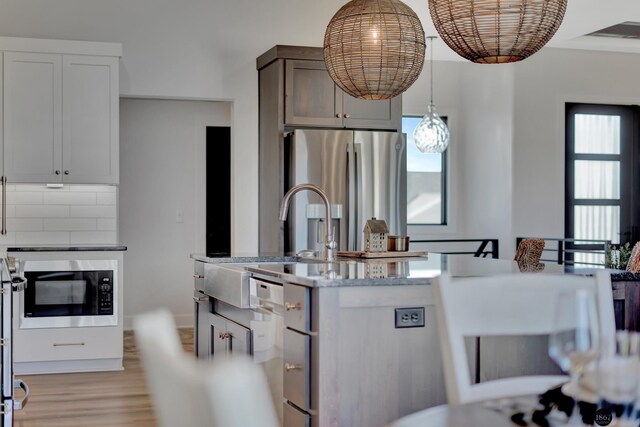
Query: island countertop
point(387, 271)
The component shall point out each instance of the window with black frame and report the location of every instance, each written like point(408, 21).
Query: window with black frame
point(426, 180)
point(599, 176)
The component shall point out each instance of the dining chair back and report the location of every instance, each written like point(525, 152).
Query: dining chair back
point(529, 251)
point(633, 265)
point(187, 393)
point(509, 305)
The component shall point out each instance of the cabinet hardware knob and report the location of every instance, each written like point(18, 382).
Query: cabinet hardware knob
point(338, 115)
point(198, 276)
point(66, 172)
point(288, 306)
point(57, 172)
point(292, 367)
point(224, 335)
point(346, 116)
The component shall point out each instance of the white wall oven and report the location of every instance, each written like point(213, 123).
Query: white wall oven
point(67, 293)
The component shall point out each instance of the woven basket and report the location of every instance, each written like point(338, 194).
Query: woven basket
point(496, 31)
point(374, 49)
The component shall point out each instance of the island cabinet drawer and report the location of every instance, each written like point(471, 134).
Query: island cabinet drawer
point(297, 369)
point(294, 417)
point(297, 307)
point(34, 345)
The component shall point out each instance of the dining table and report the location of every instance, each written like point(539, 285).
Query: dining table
point(493, 413)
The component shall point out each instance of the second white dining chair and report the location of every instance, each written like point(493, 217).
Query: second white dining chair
point(509, 305)
point(185, 393)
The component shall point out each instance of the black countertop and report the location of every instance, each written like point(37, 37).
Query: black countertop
point(57, 248)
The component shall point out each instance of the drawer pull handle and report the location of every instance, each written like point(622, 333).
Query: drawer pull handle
point(346, 116)
point(66, 344)
point(288, 306)
point(292, 367)
point(224, 335)
point(198, 276)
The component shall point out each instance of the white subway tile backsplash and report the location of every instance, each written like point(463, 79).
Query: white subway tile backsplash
point(93, 188)
point(42, 237)
point(106, 198)
point(92, 211)
point(8, 239)
point(69, 198)
point(92, 237)
point(41, 211)
point(107, 224)
point(24, 198)
point(37, 187)
point(71, 214)
point(11, 211)
point(70, 224)
point(24, 224)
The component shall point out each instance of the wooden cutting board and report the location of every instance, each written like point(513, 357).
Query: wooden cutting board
point(396, 254)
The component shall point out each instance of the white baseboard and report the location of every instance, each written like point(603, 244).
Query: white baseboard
point(182, 320)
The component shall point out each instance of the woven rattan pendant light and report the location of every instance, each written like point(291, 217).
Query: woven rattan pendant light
point(496, 31)
point(374, 49)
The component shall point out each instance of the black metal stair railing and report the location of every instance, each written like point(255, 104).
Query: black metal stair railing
point(484, 249)
point(565, 249)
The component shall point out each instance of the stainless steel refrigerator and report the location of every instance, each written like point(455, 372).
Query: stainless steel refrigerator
point(364, 175)
point(10, 283)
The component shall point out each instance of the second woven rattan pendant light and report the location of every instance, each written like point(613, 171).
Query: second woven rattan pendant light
point(496, 31)
point(374, 49)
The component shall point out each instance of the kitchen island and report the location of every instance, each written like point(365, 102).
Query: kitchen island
point(350, 342)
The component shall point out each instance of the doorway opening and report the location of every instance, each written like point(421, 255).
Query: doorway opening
point(218, 221)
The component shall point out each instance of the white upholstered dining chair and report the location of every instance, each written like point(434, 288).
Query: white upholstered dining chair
point(516, 304)
point(509, 305)
point(185, 393)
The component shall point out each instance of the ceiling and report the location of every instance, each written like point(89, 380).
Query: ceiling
point(582, 17)
point(586, 16)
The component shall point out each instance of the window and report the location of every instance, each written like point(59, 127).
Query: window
point(599, 149)
point(426, 181)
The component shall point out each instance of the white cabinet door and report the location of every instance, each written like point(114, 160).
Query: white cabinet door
point(90, 119)
point(32, 117)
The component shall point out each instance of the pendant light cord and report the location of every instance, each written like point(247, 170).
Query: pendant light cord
point(431, 68)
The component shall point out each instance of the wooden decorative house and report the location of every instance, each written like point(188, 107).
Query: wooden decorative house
point(375, 235)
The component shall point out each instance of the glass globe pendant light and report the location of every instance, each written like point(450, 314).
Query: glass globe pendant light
point(432, 134)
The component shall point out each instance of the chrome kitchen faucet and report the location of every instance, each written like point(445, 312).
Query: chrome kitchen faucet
point(329, 240)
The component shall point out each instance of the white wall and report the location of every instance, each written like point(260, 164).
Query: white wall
point(543, 84)
point(478, 101)
point(162, 170)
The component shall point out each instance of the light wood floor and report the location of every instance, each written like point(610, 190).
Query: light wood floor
point(95, 399)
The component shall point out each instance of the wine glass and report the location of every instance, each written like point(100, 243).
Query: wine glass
point(574, 341)
point(618, 369)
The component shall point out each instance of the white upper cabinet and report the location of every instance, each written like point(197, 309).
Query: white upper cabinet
point(32, 116)
point(60, 112)
point(90, 119)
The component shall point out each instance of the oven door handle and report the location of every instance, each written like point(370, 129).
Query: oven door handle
point(19, 404)
point(4, 205)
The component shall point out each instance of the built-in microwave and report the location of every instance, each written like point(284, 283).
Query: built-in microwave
point(69, 294)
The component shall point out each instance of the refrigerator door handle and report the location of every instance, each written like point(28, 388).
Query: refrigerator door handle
point(359, 207)
point(19, 404)
point(351, 189)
